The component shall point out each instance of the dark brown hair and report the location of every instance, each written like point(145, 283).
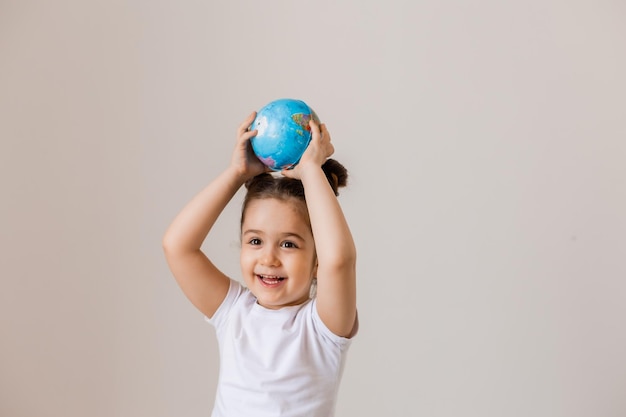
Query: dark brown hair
point(267, 185)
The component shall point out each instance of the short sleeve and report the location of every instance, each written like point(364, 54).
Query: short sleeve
point(341, 342)
point(219, 317)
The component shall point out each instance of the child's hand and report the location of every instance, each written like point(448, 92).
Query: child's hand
point(244, 161)
point(318, 151)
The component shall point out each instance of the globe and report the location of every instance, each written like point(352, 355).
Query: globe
point(283, 132)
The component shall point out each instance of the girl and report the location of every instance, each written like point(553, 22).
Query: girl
point(283, 337)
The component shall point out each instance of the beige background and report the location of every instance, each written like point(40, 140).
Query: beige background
point(486, 143)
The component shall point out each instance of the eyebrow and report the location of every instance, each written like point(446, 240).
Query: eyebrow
point(259, 232)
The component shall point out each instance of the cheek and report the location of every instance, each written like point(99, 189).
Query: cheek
point(245, 259)
point(308, 264)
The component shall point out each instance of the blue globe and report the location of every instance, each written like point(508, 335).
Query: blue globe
point(283, 132)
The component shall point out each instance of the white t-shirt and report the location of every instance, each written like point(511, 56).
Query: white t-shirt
point(274, 363)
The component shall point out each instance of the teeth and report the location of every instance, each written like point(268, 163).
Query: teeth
point(271, 279)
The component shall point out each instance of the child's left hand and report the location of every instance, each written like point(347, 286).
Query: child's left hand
point(319, 150)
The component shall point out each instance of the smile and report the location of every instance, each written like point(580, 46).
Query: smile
point(270, 280)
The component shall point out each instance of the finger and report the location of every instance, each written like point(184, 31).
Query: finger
point(246, 135)
point(245, 125)
point(315, 129)
point(325, 132)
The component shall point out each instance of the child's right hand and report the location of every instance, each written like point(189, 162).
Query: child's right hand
point(244, 161)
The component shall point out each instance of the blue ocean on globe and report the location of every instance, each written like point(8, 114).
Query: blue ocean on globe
point(283, 132)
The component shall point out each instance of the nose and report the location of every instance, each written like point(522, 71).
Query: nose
point(269, 257)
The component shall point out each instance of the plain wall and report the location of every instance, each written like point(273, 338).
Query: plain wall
point(486, 145)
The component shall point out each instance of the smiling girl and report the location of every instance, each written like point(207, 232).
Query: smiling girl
point(284, 335)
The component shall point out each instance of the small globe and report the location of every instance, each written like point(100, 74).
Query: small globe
point(283, 132)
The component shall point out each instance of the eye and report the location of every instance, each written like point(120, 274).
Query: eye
point(288, 244)
point(254, 241)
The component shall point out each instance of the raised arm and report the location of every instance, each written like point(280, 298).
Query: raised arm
point(200, 280)
point(336, 252)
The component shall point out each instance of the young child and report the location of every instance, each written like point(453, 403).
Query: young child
point(283, 337)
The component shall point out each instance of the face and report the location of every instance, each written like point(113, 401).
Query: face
point(278, 259)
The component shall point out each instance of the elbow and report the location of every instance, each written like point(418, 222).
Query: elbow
point(349, 256)
point(174, 246)
point(344, 260)
point(168, 243)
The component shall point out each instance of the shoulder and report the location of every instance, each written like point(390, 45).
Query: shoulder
point(237, 296)
point(323, 331)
